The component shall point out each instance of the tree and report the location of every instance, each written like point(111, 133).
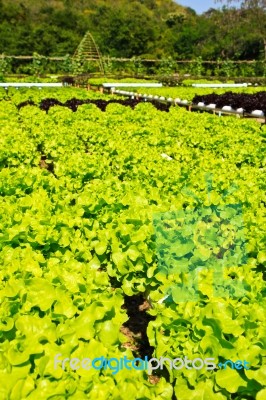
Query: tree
point(252, 13)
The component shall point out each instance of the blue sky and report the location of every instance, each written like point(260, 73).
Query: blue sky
point(199, 5)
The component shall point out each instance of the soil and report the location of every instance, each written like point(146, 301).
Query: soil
point(136, 327)
point(45, 165)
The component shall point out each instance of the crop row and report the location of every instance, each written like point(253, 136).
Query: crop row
point(248, 102)
point(188, 93)
point(74, 103)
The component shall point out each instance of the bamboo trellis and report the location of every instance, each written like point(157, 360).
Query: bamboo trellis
point(88, 50)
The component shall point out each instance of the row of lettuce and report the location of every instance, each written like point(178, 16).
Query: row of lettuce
point(85, 197)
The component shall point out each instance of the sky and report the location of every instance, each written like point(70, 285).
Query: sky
point(199, 6)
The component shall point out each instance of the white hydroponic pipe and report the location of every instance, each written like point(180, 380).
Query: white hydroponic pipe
point(29, 85)
point(115, 85)
point(219, 85)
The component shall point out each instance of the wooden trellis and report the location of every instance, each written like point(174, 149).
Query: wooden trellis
point(88, 50)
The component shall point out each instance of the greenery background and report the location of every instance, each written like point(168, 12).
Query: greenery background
point(147, 28)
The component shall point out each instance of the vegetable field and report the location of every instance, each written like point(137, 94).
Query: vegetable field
point(93, 206)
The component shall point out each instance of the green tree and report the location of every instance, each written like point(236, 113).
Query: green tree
point(251, 16)
point(127, 31)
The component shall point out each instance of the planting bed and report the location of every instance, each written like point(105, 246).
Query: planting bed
point(84, 197)
point(248, 102)
point(188, 93)
point(245, 104)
